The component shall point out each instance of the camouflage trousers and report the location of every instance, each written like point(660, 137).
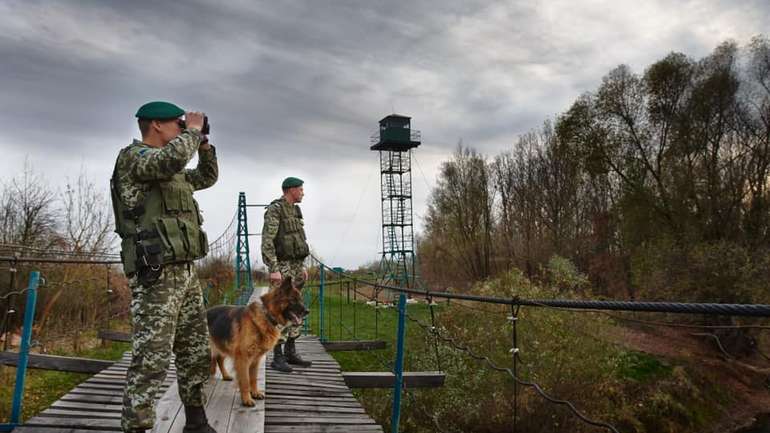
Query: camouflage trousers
point(296, 270)
point(167, 317)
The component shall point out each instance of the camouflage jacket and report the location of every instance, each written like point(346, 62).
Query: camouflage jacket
point(283, 234)
point(141, 164)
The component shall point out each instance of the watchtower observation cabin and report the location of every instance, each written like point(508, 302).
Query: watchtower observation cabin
point(395, 141)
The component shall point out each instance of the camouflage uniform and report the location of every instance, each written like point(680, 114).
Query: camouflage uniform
point(294, 268)
point(168, 315)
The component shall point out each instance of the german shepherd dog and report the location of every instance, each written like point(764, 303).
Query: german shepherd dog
point(247, 333)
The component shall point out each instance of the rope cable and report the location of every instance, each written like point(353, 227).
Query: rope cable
point(756, 310)
point(434, 332)
point(453, 344)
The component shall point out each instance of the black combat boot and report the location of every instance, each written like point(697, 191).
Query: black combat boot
point(292, 356)
point(279, 361)
point(195, 420)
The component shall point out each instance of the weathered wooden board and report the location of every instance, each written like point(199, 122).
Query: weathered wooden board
point(422, 379)
point(313, 399)
point(344, 346)
point(59, 363)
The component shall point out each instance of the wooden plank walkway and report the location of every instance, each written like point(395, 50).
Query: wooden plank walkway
point(95, 404)
point(311, 399)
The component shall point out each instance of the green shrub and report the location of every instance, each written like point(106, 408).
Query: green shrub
point(563, 274)
point(641, 367)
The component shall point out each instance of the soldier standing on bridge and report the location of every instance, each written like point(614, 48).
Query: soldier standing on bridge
point(284, 249)
point(160, 226)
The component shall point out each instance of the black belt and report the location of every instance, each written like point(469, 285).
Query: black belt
point(148, 234)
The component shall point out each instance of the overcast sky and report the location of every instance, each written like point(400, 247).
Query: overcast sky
point(295, 88)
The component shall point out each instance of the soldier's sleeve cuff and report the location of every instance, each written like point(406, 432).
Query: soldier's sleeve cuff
point(195, 133)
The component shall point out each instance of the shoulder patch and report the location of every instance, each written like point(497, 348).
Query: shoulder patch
point(142, 152)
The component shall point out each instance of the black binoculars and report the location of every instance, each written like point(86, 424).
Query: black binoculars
point(204, 130)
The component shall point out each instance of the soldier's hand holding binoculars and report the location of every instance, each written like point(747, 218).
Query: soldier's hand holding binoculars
point(199, 121)
point(194, 119)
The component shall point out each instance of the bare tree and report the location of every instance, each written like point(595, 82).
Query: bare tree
point(514, 176)
point(87, 218)
point(27, 213)
point(9, 218)
point(460, 213)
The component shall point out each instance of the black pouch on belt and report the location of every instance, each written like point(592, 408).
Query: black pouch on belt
point(150, 262)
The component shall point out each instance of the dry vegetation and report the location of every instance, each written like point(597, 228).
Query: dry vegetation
point(652, 187)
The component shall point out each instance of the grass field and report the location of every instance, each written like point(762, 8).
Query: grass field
point(348, 317)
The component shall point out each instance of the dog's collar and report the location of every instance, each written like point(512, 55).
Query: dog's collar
point(271, 319)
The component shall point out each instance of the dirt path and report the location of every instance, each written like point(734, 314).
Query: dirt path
point(747, 380)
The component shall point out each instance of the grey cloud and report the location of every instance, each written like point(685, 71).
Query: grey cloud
point(298, 86)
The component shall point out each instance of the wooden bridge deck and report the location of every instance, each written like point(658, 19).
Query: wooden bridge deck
point(311, 399)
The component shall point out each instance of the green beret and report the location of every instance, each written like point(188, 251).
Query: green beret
point(159, 110)
point(291, 182)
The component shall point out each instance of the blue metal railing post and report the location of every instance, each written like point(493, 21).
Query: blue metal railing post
point(321, 300)
point(399, 369)
point(26, 336)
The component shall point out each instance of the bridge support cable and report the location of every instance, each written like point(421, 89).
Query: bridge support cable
point(748, 310)
point(58, 261)
point(513, 373)
point(744, 310)
point(434, 331)
point(515, 355)
point(453, 344)
point(340, 313)
point(491, 364)
point(387, 379)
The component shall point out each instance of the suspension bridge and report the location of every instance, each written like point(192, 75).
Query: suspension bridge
point(319, 398)
point(364, 317)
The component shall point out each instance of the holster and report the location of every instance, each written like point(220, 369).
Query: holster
point(149, 262)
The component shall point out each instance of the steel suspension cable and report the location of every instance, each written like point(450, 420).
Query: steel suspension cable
point(434, 331)
point(453, 344)
point(60, 261)
point(752, 310)
point(749, 310)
